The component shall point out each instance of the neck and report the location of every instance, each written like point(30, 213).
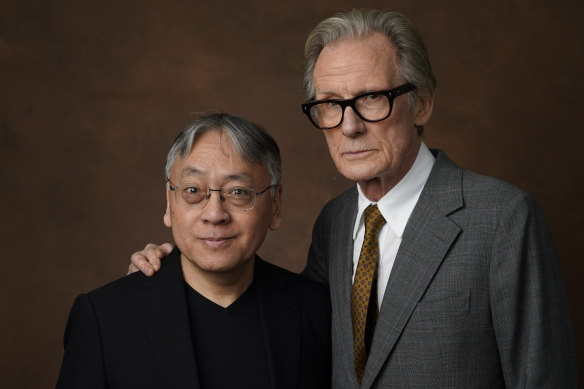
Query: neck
point(375, 188)
point(223, 288)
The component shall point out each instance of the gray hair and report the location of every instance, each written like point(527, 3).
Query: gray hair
point(413, 63)
point(250, 141)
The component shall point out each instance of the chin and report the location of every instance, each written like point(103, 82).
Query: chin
point(224, 266)
point(211, 262)
point(356, 173)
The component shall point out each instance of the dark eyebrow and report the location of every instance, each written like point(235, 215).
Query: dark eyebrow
point(244, 177)
point(191, 171)
point(335, 96)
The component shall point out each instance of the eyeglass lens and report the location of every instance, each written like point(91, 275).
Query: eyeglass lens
point(373, 106)
point(233, 198)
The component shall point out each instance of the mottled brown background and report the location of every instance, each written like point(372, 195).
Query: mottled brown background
point(93, 94)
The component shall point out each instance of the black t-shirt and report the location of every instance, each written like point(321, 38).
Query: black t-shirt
point(229, 344)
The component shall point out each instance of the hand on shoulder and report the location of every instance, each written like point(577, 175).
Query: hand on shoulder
point(148, 260)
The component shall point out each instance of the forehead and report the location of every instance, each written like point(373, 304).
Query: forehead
point(354, 65)
point(213, 157)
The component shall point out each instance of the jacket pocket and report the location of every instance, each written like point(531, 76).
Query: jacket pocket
point(442, 304)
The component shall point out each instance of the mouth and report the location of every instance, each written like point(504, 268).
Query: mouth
point(216, 242)
point(356, 153)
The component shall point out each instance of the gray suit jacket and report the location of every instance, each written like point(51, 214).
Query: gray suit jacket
point(475, 298)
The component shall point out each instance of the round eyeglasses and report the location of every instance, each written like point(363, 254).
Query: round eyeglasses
point(191, 195)
point(371, 107)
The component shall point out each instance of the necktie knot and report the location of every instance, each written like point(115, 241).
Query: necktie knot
point(373, 219)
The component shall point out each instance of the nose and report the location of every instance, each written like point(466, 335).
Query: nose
point(214, 211)
point(352, 124)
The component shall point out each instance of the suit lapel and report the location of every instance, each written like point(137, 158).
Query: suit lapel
point(166, 318)
point(281, 325)
point(340, 276)
point(426, 240)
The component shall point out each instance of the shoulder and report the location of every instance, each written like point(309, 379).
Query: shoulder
point(492, 195)
point(120, 287)
point(274, 276)
point(108, 305)
point(349, 196)
point(480, 185)
point(134, 287)
point(339, 208)
point(121, 294)
point(476, 189)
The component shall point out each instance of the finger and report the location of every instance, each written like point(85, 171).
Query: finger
point(139, 261)
point(166, 247)
point(154, 254)
point(132, 268)
point(150, 246)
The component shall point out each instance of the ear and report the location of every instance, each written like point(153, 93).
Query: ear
point(166, 218)
point(423, 108)
point(276, 220)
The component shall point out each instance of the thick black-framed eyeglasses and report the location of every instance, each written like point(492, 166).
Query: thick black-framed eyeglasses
point(234, 197)
point(371, 107)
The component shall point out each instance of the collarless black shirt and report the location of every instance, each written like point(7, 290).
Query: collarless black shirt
point(229, 345)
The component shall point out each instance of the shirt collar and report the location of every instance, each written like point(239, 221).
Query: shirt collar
point(397, 205)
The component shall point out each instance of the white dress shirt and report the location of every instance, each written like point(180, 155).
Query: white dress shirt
point(396, 206)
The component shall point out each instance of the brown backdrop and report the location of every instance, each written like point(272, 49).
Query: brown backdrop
point(93, 94)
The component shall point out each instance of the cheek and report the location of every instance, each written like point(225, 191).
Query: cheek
point(332, 140)
point(396, 135)
point(181, 222)
point(255, 228)
point(334, 145)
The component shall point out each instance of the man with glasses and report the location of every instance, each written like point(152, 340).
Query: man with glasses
point(439, 277)
point(216, 315)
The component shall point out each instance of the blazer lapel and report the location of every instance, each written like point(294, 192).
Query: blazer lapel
point(341, 283)
point(166, 318)
point(426, 240)
point(281, 325)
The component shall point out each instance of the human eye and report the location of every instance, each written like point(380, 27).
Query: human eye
point(238, 196)
point(327, 113)
point(372, 96)
point(238, 192)
point(329, 107)
point(372, 100)
point(192, 193)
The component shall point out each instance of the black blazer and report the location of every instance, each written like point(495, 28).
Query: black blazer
point(135, 333)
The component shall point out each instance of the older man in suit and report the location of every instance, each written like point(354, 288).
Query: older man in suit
point(439, 277)
point(216, 315)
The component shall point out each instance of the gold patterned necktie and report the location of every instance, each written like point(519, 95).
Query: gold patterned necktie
point(364, 293)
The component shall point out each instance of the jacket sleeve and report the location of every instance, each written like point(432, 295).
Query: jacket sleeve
point(528, 301)
point(83, 365)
